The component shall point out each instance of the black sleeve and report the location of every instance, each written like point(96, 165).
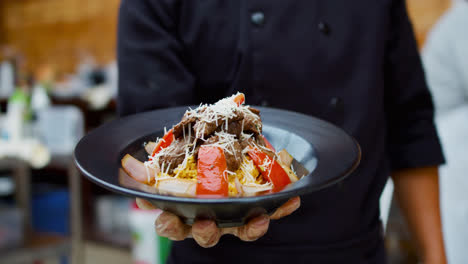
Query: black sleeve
point(152, 70)
point(412, 138)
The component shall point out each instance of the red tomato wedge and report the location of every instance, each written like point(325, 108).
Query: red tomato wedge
point(164, 143)
point(211, 168)
point(239, 99)
point(268, 144)
point(270, 169)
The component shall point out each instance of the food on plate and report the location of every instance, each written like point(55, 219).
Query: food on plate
point(216, 150)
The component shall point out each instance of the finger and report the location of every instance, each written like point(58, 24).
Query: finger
point(286, 209)
point(254, 229)
point(170, 226)
point(206, 233)
point(145, 205)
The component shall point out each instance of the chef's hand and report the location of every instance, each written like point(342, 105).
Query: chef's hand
point(207, 234)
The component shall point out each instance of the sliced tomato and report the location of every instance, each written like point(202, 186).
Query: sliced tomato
point(239, 99)
point(270, 169)
point(211, 169)
point(164, 143)
point(268, 144)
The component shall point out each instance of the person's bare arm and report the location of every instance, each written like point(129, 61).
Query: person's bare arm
point(207, 234)
point(417, 192)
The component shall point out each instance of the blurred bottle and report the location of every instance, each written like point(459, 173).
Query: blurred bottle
point(86, 67)
point(148, 247)
point(39, 98)
point(43, 84)
point(17, 113)
point(7, 73)
point(7, 79)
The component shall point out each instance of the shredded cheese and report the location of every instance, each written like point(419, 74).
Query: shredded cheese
point(248, 178)
point(292, 169)
point(225, 141)
point(223, 110)
point(219, 114)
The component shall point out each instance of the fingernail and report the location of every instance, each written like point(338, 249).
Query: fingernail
point(261, 221)
point(205, 232)
point(257, 228)
point(164, 225)
point(297, 202)
point(204, 239)
point(204, 224)
point(161, 229)
point(143, 204)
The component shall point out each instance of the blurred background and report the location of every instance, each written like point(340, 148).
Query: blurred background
point(58, 80)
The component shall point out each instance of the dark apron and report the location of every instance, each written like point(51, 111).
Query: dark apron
point(367, 249)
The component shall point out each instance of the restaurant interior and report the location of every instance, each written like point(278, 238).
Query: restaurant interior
point(58, 61)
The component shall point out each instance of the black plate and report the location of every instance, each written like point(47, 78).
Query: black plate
point(326, 151)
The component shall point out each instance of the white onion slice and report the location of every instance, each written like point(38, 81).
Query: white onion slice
point(254, 190)
point(149, 147)
point(136, 169)
point(177, 187)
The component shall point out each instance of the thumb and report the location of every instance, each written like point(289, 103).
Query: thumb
point(144, 204)
point(287, 208)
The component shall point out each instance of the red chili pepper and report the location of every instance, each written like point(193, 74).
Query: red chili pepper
point(211, 169)
point(270, 169)
point(164, 143)
point(268, 144)
point(239, 99)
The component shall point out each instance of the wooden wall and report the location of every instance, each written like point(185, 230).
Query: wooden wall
point(57, 31)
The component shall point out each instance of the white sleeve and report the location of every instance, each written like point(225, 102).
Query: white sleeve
point(444, 54)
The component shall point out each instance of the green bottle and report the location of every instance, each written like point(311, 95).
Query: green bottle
point(164, 248)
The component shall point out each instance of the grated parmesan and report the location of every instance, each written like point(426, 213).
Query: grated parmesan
point(223, 110)
point(207, 115)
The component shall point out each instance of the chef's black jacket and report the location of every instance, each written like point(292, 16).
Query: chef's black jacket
point(354, 63)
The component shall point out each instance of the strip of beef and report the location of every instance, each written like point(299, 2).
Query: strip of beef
point(252, 123)
point(256, 140)
point(211, 140)
point(234, 160)
point(254, 110)
point(245, 142)
point(187, 119)
point(234, 128)
point(174, 156)
point(195, 152)
point(261, 142)
point(205, 129)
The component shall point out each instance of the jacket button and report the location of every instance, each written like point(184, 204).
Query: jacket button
point(335, 102)
point(257, 18)
point(324, 28)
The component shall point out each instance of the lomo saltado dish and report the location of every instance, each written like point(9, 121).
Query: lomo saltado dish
point(216, 150)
